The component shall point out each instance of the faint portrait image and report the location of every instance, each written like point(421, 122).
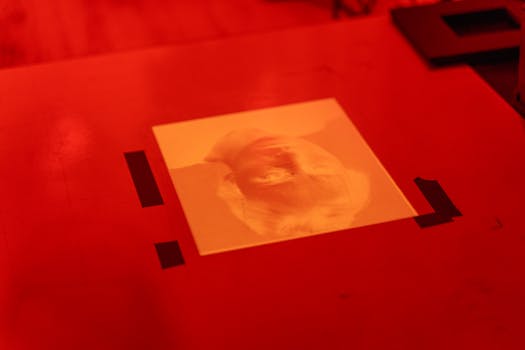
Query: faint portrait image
point(284, 186)
point(268, 175)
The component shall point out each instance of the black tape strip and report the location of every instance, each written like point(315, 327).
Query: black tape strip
point(432, 219)
point(444, 208)
point(437, 197)
point(170, 254)
point(143, 179)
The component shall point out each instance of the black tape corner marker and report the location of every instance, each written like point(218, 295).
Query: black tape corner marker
point(432, 219)
point(444, 208)
point(143, 179)
point(169, 253)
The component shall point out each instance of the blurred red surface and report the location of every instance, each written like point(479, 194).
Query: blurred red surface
point(35, 31)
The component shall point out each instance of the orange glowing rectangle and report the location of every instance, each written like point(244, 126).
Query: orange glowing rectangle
point(274, 174)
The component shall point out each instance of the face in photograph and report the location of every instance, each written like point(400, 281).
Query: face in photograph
point(286, 186)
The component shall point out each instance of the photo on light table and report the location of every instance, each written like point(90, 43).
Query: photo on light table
point(262, 176)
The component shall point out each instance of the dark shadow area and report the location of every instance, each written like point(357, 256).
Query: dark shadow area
point(480, 22)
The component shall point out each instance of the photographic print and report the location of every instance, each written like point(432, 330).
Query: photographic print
point(274, 174)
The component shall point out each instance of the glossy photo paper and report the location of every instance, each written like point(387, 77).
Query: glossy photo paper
point(268, 175)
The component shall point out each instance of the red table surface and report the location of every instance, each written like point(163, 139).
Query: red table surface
point(78, 267)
